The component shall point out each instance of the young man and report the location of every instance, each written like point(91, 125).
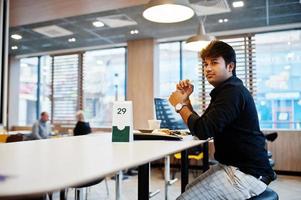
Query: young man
point(231, 119)
point(41, 129)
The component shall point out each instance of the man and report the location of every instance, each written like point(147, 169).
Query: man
point(41, 129)
point(231, 119)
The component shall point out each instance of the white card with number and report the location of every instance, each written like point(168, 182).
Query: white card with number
point(122, 121)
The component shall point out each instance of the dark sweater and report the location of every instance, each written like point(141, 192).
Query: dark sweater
point(82, 128)
point(231, 119)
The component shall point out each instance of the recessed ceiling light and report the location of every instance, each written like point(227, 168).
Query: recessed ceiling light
point(71, 39)
point(237, 4)
point(223, 20)
point(134, 32)
point(98, 24)
point(16, 36)
point(14, 47)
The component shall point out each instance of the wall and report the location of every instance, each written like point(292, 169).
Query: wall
point(14, 88)
point(286, 150)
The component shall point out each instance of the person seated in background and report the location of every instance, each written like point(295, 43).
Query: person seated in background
point(41, 128)
point(81, 127)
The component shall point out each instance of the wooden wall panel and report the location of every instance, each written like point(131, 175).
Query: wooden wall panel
point(140, 82)
point(32, 11)
point(286, 150)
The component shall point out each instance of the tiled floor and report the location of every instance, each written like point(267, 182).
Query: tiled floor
point(287, 187)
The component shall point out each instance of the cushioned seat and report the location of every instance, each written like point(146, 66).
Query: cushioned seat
point(268, 194)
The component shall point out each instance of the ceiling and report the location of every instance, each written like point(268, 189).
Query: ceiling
point(253, 17)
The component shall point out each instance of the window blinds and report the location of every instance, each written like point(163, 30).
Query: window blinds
point(65, 88)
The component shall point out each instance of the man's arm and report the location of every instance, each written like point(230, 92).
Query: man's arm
point(35, 131)
point(224, 110)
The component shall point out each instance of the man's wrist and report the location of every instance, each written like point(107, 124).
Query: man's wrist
point(179, 106)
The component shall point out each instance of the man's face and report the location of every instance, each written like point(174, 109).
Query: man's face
point(45, 117)
point(216, 71)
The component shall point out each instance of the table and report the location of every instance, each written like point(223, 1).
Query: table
point(41, 166)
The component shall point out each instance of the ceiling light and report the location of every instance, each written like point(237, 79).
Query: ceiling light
point(220, 20)
point(14, 47)
point(199, 41)
point(16, 37)
point(71, 40)
point(134, 32)
point(238, 4)
point(168, 11)
point(98, 24)
point(225, 20)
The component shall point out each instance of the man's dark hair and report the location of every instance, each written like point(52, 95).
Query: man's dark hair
point(218, 48)
point(43, 113)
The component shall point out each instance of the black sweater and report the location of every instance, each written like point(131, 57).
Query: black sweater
point(231, 119)
point(82, 128)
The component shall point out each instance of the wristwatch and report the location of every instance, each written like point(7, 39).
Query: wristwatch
point(179, 107)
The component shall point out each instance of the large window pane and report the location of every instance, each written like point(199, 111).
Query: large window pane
point(278, 60)
point(191, 72)
point(28, 91)
point(169, 68)
point(104, 82)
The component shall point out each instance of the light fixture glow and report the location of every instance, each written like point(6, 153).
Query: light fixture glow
point(133, 32)
point(167, 11)
point(238, 4)
point(14, 47)
point(98, 24)
point(220, 20)
point(16, 36)
point(199, 41)
point(72, 40)
point(225, 20)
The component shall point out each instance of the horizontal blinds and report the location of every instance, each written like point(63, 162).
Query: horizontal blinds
point(65, 88)
point(244, 47)
point(245, 60)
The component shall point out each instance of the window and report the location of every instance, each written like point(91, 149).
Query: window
point(191, 67)
point(278, 61)
point(28, 90)
point(169, 67)
point(104, 83)
point(175, 64)
point(267, 63)
point(90, 81)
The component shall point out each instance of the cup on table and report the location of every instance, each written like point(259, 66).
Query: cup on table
point(154, 124)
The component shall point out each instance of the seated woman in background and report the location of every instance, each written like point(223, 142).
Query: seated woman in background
point(82, 127)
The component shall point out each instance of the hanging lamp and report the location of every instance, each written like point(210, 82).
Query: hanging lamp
point(168, 11)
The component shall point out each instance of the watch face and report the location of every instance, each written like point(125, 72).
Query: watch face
point(178, 106)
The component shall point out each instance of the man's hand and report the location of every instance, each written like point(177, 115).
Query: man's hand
point(176, 97)
point(186, 88)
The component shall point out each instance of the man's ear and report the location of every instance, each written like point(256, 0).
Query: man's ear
point(230, 67)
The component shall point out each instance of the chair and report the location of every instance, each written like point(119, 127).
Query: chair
point(81, 189)
point(171, 120)
point(166, 113)
point(270, 137)
point(15, 138)
point(268, 194)
point(3, 138)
